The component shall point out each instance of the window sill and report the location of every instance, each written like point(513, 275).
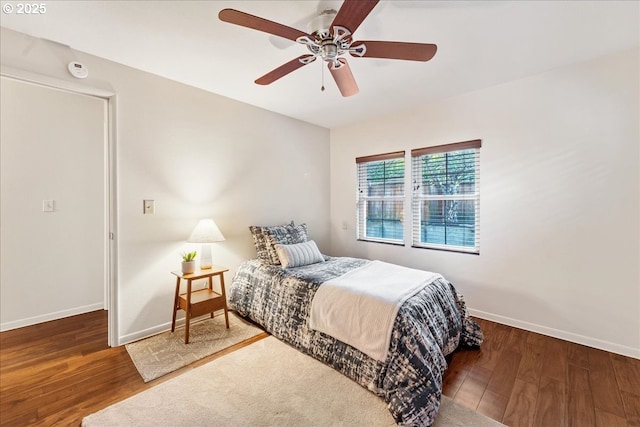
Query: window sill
point(452, 249)
point(385, 242)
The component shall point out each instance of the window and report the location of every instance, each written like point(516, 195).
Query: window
point(381, 198)
point(446, 197)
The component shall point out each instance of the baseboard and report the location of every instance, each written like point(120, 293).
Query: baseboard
point(556, 333)
point(146, 333)
point(15, 324)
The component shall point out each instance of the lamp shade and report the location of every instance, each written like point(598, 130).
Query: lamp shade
point(206, 232)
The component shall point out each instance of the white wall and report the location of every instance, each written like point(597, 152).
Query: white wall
point(559, 203)
point(197, 155)
point(559, 244)
point(52, 148)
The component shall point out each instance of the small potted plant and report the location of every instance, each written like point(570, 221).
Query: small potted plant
point(188, 262)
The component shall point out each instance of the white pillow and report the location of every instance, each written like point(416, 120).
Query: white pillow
point(298, 254)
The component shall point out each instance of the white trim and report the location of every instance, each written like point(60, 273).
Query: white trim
point(112, 235)
point(557, 333)
point(146, 333)
point(382, 198)
point(105, 192)
point(15, 324)
point(450, 248)
point(31, 77)
point(164, 327)
point(469, 196)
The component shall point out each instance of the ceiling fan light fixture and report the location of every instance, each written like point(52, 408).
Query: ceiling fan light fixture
point(329, 51)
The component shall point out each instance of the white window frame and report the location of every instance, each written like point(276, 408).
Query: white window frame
point(362, 198)
point(418, 198)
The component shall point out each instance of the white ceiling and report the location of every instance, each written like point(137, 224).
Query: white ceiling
point(480, 44)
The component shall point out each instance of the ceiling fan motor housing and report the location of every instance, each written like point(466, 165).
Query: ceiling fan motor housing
point(328, 51)
point(329, 45)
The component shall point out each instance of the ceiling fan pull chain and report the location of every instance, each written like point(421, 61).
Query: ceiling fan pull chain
point(322, 87)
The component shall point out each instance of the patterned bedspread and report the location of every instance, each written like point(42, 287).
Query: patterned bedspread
point(429, 326)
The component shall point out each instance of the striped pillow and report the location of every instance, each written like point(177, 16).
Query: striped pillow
point(299, 254)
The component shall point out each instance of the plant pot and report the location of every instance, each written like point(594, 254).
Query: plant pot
point(188, 267)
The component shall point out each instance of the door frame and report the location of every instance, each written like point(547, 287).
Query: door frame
point(110, 173)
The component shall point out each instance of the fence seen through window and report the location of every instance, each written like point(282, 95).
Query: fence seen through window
point(381, 197)
point(446, 196)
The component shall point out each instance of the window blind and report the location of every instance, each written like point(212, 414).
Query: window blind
point(380, 197)
point(445, 203)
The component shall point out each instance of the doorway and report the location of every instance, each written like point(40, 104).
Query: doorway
point(55, 203)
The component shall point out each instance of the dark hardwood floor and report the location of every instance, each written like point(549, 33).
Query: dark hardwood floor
point(57, 372)
point(526, 379)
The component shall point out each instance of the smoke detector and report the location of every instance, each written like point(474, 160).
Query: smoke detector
point(78, 70)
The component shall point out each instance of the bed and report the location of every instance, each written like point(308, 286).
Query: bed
point(430, 324)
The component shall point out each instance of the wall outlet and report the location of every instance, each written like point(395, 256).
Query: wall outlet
point(149, 207)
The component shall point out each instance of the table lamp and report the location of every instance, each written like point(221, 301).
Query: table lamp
point(206, 232)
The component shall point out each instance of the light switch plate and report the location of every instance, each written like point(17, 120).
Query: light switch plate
point(149, 207)
point(48, 205)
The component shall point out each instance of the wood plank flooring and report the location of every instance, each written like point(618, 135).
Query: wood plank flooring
point(526, 379)
point(57, 372)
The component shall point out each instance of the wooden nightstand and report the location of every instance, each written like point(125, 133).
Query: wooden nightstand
point(200, 302)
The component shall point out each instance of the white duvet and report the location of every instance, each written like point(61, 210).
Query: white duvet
point(360, 307)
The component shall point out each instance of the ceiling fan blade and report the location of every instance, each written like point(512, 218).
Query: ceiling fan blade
point(285, 69)
point(245, 20)
point(341, 73)
point(353, 12)
point(396, 50)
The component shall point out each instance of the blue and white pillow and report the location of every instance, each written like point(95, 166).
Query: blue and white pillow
point(298, 254)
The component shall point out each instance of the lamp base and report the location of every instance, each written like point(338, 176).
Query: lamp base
point(205, 257)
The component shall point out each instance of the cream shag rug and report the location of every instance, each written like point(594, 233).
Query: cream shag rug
point(267, 383)
point(167, 352)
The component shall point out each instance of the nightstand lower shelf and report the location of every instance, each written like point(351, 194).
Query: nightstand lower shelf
point(200, 302)
point(203, 301)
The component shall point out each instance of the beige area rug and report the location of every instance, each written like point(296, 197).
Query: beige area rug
point(267, 383)
point(166, 352)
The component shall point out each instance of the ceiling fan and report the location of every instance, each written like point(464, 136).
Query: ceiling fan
point(330, 38)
